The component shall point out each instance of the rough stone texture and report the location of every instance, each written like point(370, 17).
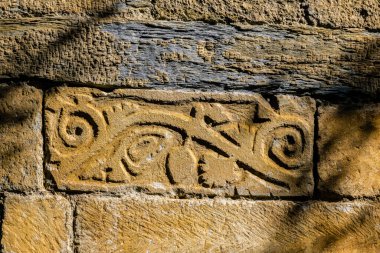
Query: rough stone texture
point(21, 153)
point(156, 225)
point(349, 149)
point(127, 10)
point(334, 14)
point(201, 142)
point(188, 54)
point(206, 157)
point(341, 14)
point(222, 11)
point(37, 224)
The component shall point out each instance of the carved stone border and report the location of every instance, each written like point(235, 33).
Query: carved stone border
point(165, 141)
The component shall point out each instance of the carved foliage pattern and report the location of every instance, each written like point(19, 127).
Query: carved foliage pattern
point(248, 148)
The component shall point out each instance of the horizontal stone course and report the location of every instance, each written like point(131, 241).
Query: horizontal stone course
point(21, 140)
point(136, 224)
point(332, 14)
point(188, 55)
point(135, 9)
point(36, 224)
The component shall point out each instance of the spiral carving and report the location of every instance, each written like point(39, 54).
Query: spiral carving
point(77, 129)
point(287, 144)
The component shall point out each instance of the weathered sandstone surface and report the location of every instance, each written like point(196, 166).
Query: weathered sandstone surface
point(189, 126)
point(210, 143)
point(349, 150)
point(157, 225)
point(36, 224)
point(163, 54)
point(21, 137)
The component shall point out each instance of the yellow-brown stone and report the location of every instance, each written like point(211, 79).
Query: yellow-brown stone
point(252, 11)
point(349, 149)
point(36, 224)
point(141, 224)
point(209, 143)
point(334, 14)
point(137, 9)
point(165, 169)
point(187, 54)
point(21, 151)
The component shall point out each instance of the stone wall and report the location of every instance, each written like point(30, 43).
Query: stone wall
point(190, 126)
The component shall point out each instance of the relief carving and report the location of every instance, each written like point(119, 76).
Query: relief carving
point(200, 143)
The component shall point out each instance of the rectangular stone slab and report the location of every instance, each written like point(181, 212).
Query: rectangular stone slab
point(188, 54)
point(21, 140)
point(332, 14)
point(164, 141)
point(36, 223)
point(156, 225)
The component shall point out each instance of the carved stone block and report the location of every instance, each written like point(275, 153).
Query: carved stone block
point(166, 141)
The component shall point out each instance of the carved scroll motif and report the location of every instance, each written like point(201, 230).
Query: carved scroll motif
point(246, 148)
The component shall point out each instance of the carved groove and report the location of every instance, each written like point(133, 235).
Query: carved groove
point(261, 175)
point(126, 167)
point(229, 138)
point(210, 146)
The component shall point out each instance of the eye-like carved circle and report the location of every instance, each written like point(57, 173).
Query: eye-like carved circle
point(143, 145)
point(145, 148)
point(287, 146)
point(77, 129)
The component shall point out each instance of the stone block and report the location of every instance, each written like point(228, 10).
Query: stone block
point(333, 14)
point(36, 224)
point(21, 151)
point(141, 224)
point(126, 10)
point(343, 14)
point(199, 143)
point(193, 55)
point(349, 149)
point(253, 11)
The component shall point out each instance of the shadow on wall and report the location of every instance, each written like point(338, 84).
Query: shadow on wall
point(349, 134)
point(348, 150)
point(87, 54)
point(315, 227)
point(20, 117)
point(12, 116)
point(69, 45)
point(328, 235)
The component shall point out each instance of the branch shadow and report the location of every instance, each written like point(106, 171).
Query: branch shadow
point(31, 59)
point(347, 128)
point(367, 80)
point(326, 227)
point(20, 125)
